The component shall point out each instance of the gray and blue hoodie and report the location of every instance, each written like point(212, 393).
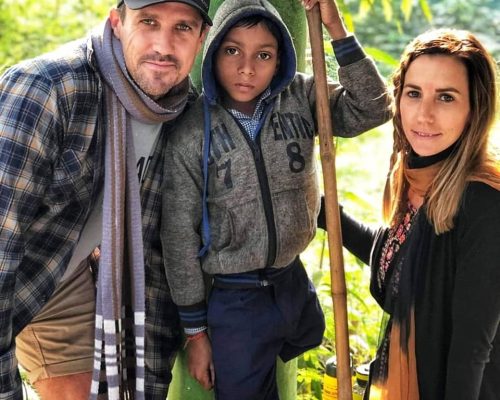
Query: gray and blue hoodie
point(252, 204)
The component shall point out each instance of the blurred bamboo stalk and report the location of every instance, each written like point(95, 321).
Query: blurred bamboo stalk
point(327, 153)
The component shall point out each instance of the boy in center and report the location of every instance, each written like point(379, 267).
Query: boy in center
point(241, 185)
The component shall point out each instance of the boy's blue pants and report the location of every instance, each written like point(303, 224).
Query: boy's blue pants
point(254, 318)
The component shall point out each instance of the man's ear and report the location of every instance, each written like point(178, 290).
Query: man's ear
point(115, 21)
point(205, 33)
point(203, 36)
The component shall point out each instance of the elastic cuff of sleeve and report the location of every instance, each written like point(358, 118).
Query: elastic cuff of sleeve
point(348, 50)
point(194, 331)
point(193, 316)
point(192, 338)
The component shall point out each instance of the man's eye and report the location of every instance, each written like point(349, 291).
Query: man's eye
point(183, 27)
point(148, 21)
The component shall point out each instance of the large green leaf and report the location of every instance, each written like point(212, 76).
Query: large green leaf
point(426, 9)
point(406, 7)
point(381, 56)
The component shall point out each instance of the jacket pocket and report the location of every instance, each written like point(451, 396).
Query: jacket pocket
point(295, 213)
point(239, 238)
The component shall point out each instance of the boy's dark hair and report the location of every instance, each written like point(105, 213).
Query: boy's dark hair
point(249, 22)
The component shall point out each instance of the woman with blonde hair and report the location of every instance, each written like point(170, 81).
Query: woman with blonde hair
point(435, 270)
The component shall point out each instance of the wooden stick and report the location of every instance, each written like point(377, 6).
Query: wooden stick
point(327, 153)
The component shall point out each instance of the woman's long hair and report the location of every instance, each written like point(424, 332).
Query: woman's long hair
point(471, 159)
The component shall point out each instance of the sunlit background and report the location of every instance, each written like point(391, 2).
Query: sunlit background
point(384, 27)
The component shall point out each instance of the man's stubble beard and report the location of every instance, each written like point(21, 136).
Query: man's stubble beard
point(157, 84)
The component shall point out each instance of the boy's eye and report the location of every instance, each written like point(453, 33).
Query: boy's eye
point(232, 51)
point(264, 56)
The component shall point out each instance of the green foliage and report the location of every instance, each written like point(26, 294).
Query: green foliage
point(389, 8)
point(31, 27)
point(479, 16)
point(390, 35)
point(360, 186)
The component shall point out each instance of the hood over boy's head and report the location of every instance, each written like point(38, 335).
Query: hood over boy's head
point(227, 16)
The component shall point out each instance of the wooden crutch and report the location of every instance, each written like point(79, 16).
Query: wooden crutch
point(327, 154)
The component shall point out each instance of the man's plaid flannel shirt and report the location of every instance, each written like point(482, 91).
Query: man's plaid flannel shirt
point(51, 171)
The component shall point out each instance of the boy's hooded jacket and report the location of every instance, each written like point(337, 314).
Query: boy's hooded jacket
point(262, 196)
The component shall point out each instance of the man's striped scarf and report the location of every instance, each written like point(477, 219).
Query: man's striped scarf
point(120, 303)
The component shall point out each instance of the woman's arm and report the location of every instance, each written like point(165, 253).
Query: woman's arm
point(356, 237)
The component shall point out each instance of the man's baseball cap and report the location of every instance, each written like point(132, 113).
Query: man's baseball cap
point(201, 5)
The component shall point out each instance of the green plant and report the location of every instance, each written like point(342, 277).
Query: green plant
point(29, 27)
point(359, 183)
point(361, 165)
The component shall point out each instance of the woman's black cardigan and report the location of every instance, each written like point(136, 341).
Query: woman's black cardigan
point(457, 304)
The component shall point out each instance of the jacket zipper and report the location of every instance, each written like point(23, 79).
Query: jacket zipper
point(266, 201)
point(265, 193)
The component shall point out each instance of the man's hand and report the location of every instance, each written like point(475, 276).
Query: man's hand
point(200, 365)
point(330, 17)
